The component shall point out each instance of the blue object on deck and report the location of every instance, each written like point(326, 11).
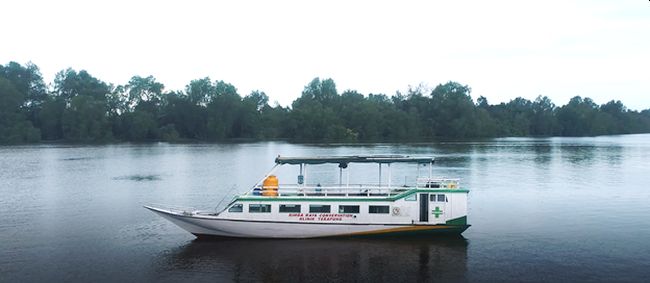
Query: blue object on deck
point(257, 191)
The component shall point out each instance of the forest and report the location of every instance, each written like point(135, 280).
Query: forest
point(80, 108)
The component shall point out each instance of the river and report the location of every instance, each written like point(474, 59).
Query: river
point(541, 209)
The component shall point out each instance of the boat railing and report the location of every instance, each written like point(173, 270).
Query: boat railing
point(438, 183)
point(350, 190)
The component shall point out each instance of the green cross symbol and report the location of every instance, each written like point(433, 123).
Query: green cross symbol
point(437, 212)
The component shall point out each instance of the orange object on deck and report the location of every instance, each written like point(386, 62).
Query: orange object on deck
point(270, 186)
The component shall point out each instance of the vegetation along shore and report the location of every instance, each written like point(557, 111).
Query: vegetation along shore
point(78, 107)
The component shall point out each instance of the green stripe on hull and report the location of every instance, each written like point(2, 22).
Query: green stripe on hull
point(450, 230)
point(457, 221)
point(413, 231)
point(455, 231)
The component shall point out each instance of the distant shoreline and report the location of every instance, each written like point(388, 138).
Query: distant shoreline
point(244, 141)
point(79, 108)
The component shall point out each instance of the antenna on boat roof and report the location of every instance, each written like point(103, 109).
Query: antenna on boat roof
point(216, 208)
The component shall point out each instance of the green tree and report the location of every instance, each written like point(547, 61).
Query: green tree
point(184, 116)
point(144, 90)
point(201, 91)
point(70, 83)
point(315, 114)
point(223, 112)
point(140, 126)
point(322, 91)
point(14, 128)
point(28, 81)
point(85, 118)
point(520, 113)
point(615, 118)
point(51, 118)
point(82, 108)
point(543, 120)
point(253, 106)
point(142, 101)
point(575, 117)
point(275, 122)
point(452, 111)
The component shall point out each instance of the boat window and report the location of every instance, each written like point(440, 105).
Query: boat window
point(442, 198)
point(319, 208)
point(236, 208)
point(289, 208)
point(433, 185)
point(383, 209)
point(413, 197)
point(348, 209)
point(432, 197)
point(259, 208)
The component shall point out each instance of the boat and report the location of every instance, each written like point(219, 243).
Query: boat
point(424, 206)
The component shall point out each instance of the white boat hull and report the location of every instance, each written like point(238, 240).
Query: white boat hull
point(210, 225)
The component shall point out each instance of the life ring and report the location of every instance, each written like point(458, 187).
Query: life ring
point(452, 186)
point(395, 210)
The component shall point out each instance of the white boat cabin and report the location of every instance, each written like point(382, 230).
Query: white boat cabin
point(425, 200)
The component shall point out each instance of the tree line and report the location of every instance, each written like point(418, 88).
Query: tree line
point(78, 107)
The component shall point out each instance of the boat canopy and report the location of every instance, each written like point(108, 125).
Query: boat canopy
point(353, 159)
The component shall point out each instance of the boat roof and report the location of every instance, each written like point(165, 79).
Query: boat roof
point(353, 159)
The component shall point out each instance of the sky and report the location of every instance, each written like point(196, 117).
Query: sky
point(501, 49)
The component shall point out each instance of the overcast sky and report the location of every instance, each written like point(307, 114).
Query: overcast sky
point(501, 49)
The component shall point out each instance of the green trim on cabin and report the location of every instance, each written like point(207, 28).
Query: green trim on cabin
point(457, 221)
point(361, 198)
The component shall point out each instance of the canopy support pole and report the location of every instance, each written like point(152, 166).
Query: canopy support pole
point(380, 175)
point(301, 177)
point(347, 173)
point(389, 175)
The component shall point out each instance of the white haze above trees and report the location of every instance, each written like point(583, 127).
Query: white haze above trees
point(503, 49)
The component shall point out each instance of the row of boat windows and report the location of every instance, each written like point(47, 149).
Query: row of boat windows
point(313, 208)
point(432, 197)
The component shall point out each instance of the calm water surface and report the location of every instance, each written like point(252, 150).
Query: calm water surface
point(551, 209)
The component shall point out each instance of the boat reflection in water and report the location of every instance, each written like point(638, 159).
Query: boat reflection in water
point(408, 260)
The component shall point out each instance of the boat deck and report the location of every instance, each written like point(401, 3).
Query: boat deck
point(356, 190)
